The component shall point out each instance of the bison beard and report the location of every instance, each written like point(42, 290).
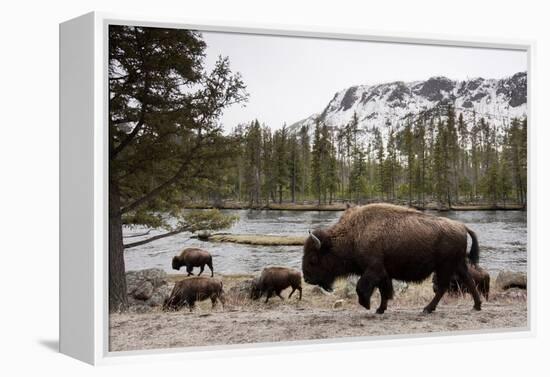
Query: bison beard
point(381, 242)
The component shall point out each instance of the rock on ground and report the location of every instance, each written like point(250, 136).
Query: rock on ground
point(143, 291)
point(510, 279)
point(146, 289)
point(242, 289)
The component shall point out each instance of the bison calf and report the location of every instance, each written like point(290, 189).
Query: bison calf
point(482, 281)
point(193, 257)
point(190, 290)
point(275, 280)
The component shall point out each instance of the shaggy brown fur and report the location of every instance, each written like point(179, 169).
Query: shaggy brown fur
point(190, 290)
point(482, 281)
point(275, 280)
point(193, 257)
point(381, 242)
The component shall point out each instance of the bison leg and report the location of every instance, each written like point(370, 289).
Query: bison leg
point(364, 290)
point(202, 269)
point(290, 295)
point(374, 277)
point(189, 270)
point(211, 269)
point(279, 294)
point(443, 278)
point(268, 295)
point(386, 293)
point(485, 287)
point(464, 274)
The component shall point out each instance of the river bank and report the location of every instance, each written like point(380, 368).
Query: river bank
point(318, 315)
point(341, 206)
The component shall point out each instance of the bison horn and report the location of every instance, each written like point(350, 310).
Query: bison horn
point(316, 240)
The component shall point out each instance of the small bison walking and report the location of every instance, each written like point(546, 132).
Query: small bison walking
point(193, 257)
point(482, 281)
point(275, 280)
point(187, 291)
point(381, 242)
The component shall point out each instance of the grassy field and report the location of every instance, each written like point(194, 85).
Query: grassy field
point(318, 315)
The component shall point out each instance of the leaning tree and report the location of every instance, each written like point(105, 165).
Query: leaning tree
point(164, 135)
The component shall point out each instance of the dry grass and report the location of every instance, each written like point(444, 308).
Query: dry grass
point(411, 296)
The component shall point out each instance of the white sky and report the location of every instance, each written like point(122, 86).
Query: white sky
point(290, 78)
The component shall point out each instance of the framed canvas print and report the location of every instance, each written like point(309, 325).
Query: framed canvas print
point(225, 187)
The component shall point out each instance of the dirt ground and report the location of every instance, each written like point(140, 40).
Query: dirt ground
point(317, 316)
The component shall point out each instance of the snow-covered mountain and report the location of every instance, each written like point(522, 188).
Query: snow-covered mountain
point(390, 104)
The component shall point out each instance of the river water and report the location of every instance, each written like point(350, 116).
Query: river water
point(502, 236)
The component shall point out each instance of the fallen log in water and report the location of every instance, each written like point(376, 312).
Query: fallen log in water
point(256, 239)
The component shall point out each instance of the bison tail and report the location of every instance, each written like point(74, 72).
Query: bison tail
point(474, 251)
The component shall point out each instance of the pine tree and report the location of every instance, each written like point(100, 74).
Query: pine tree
point(253, 164)
point(332, 168)
point(452, 154)
point(305, 146)
point(409, 151)
point(268, 182)
point(421, 166)
point(294, 165)
point(357, 175)
point(159, 88)
point(440, 164)
point(316, 163)
point(281, 161)
point(391, 165)
point(380, 158)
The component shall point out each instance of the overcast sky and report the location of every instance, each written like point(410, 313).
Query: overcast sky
point(290, 78)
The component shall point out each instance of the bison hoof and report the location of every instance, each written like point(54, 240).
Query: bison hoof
point(477, 307)
point(380, 311)
point(427, 310)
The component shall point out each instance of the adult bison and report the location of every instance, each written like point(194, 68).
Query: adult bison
point(189, 290)
point(381, 242)
point(193, 257)
point(275, 280)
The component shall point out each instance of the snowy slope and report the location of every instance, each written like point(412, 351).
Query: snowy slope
point(388, 105)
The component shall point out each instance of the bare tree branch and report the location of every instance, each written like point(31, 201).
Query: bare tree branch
point(154, 238)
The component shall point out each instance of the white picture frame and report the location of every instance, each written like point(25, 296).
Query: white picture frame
point(84, 315)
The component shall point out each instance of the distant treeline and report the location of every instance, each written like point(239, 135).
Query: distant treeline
point(431, 158)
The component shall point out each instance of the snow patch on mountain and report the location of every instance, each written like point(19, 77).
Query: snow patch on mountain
point(388, 106)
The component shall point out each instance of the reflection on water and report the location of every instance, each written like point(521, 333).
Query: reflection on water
point(502, 237)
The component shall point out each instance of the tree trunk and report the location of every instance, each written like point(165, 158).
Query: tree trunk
point(118, 299)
